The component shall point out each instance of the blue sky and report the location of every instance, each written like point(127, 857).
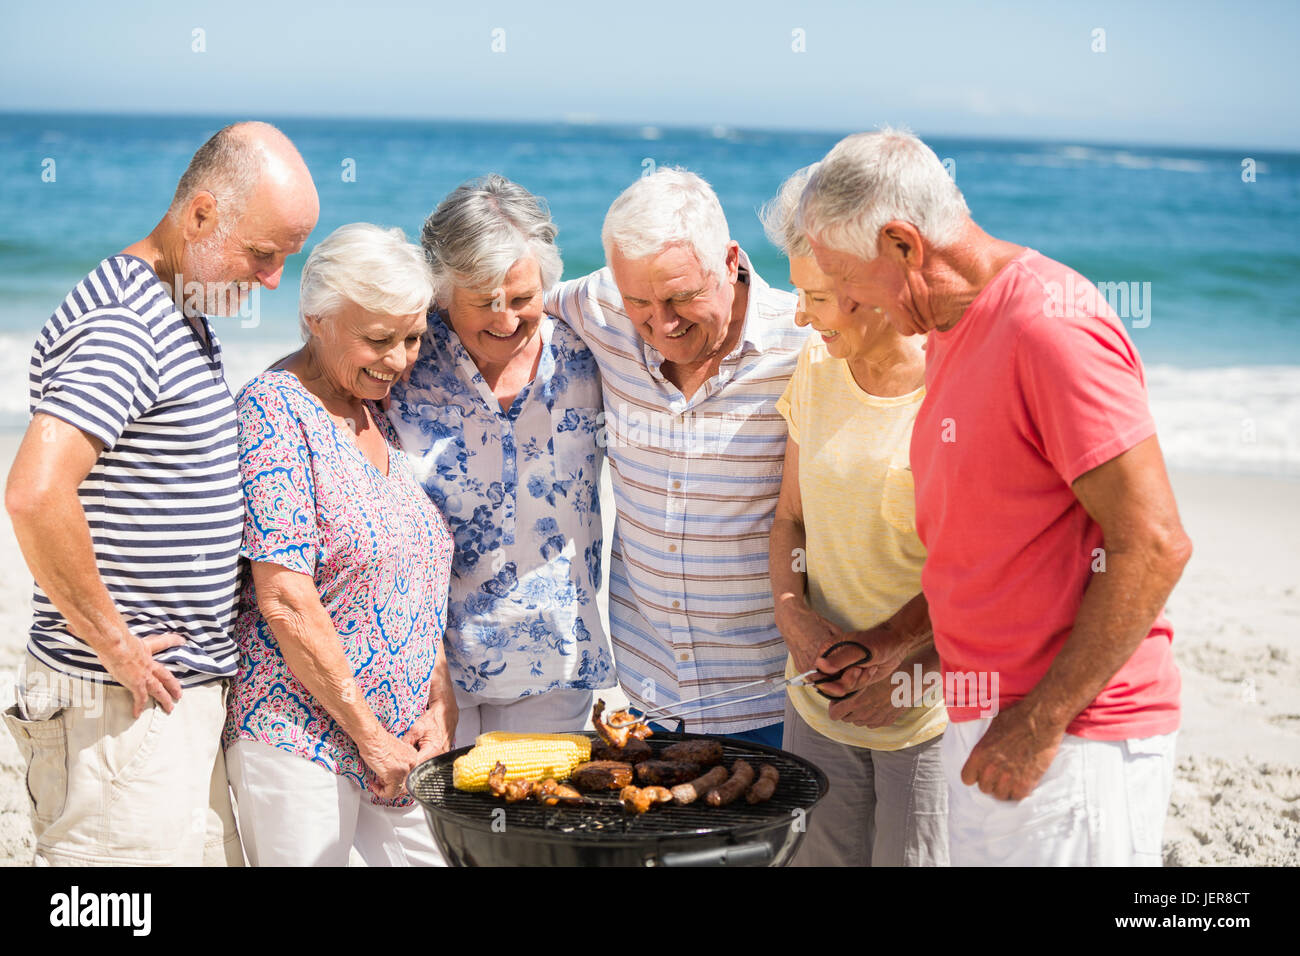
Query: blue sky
point(1216, 74)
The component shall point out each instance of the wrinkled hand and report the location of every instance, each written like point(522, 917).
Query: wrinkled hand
point(870, 707)
point(1012, 756)
point(131, 663)
point(390, 761)
point(888, 648)
point(806, 632)
point(434, 731)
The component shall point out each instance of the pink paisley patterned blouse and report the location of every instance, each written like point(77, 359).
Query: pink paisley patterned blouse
point(378, 551)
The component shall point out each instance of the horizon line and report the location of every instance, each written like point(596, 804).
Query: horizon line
point(580, 121)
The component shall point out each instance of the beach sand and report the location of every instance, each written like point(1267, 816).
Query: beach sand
point(1236, 612)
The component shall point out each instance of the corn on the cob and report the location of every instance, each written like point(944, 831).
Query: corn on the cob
point(506, 736)
point(531, 758)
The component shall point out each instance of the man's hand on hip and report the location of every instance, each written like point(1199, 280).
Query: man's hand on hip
point(1013, 755)
point(131, 663)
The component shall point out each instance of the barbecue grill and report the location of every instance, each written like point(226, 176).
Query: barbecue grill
point(478, 829)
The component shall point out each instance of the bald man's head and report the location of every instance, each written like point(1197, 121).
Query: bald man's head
point(234, 162)
point(245, 204)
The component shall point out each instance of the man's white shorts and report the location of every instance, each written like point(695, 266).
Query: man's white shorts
point(1101, 803)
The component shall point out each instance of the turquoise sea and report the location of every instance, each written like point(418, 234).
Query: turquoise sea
point(1204, 244)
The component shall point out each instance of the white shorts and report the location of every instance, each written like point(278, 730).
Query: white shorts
point(293, 812)
point(1101, 803)
point(108, 788)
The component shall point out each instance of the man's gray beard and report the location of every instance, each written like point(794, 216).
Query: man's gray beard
point(204, 260)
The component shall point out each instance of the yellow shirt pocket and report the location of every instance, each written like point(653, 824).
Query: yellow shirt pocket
point(898, 500)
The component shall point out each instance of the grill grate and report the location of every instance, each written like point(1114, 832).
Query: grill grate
point(801, 785)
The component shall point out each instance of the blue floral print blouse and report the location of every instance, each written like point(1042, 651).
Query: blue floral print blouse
point(521, 494)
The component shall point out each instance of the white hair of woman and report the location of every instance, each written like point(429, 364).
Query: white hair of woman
point(483, 228)
point(780, 215)
point(368, 265)
point(870, 179)
point(669, 207)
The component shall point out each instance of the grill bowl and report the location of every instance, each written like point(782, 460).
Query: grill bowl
point(477, 829)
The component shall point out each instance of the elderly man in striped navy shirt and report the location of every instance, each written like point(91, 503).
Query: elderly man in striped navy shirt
point(694, 350)
point(125, 498)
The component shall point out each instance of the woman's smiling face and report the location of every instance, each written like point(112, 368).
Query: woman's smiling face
point(846, 337)
point(497, 324)
point(364, 352)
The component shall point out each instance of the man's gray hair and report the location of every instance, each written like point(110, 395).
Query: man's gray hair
point(869, 179)
point(373, 267)
point(483, 228)
point(669, 207)
point(229, 165)
point(780, 216)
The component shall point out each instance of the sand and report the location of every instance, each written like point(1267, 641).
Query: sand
point(1236, 612)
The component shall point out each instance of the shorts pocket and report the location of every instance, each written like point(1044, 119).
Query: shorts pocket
point(1148, 781)
point(44, 746)
point(126, 754)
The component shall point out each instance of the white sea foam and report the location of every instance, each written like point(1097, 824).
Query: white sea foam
point(1243, 420)
point(1075, 156)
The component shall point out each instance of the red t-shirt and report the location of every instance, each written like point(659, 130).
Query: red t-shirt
point(1035, 385)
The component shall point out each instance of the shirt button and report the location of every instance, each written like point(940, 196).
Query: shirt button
point(677, 604)
point(672, 547)
point(684, 656)
point(676, 485)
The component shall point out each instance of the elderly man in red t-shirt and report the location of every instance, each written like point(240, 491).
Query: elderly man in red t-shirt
point(1052, 534)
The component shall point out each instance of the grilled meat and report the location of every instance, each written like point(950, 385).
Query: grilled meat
point(517, 790)
point(635, 751)
point(742, 775)
point(497, 780)
point(704, 753)
point(763, 788)
point(666, 773)
point(685, 793)
point(634, 799)
point(617, 736)
point(601, 775)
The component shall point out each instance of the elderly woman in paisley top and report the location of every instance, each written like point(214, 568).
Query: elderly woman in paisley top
point(341, 688)
point(501, 418)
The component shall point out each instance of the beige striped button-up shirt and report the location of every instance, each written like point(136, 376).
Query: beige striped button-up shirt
point(695, 483)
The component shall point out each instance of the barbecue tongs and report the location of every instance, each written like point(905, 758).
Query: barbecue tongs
point(771, 686)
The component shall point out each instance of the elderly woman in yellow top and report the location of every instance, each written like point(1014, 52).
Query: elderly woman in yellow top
point(846, 560)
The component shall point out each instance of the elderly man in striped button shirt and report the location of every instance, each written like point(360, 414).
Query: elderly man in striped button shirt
point(694, 350)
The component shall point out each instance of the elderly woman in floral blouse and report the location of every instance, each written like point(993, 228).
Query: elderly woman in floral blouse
point(500, 417)
point(341, 688)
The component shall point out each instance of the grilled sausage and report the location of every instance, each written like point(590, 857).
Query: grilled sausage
point(601, 775)
point(666, 773)
point(742, 775)
point(764, 786)
point(685, 793)
point(705, 753)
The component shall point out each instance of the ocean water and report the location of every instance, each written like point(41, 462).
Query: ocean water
point(1199, 250)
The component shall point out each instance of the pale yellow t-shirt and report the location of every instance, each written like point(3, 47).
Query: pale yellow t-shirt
point(863, 555)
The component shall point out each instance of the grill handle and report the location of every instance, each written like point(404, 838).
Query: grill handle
point(746, 854)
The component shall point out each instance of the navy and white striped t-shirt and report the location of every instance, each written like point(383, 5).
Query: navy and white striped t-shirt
point(164, 503)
